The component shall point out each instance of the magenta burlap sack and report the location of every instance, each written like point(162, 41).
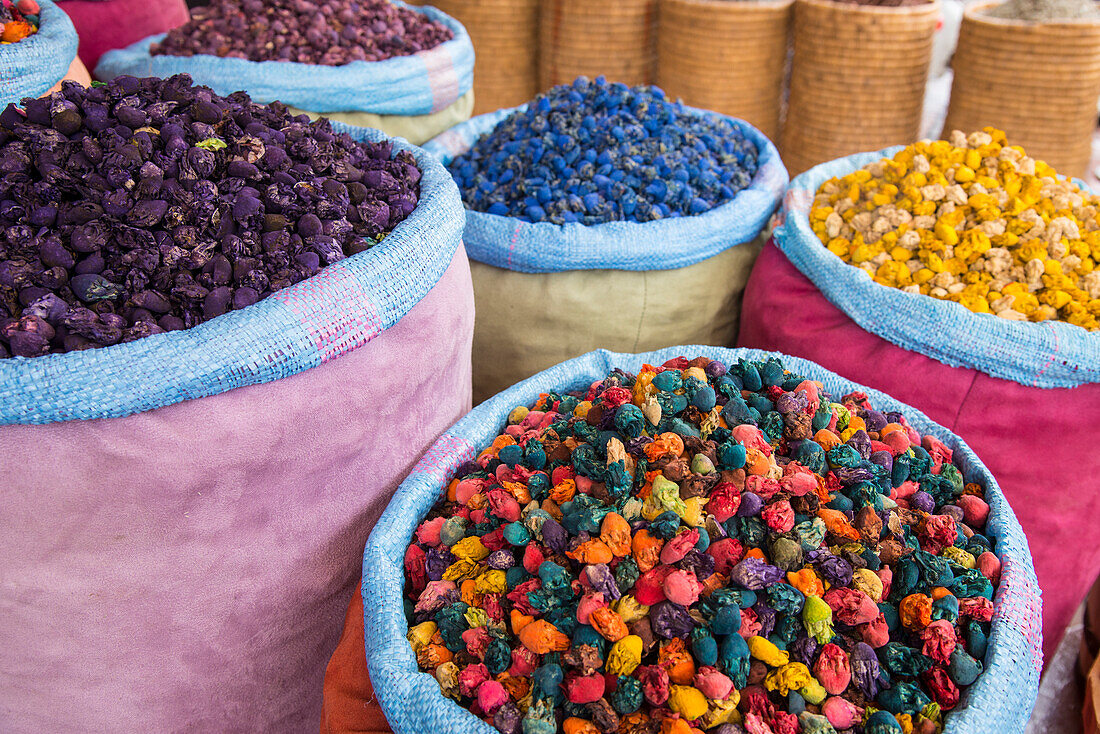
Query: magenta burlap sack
point(1041, 443)
point(184, 565)
point(103, 25)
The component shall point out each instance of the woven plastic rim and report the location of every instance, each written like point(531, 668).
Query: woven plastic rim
point(1049, 354)
point(32, 66)
point(381, 87)
point(665, 244)
point(344, 306)
point(1000, 701)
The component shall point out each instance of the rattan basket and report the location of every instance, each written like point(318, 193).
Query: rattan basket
point(615, 38)
point(505, 35)
point(725, 56)
point(1038, 82)
point(857, 79)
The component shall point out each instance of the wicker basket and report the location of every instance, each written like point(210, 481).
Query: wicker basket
point(615, 38)
point(857, 79)
point(505, 35)
point(1036, 81)
point(725, 56)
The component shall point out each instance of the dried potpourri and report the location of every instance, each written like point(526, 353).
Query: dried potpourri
point(594, 152)
point(324, 32)
point(148, 205)
point(698, 549)
point(973, 220)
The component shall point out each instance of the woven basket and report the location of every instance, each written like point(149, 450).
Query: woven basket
point(857, 79)
point(1036, 81)
point(725, 56)
point(505, 35)
point(615, 38)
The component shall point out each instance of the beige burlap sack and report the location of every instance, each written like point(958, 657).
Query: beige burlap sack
point(527, 322)
point(417, 129)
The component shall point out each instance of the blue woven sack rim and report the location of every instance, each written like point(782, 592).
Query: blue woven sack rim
point(1000, 701)
point(32, 66)
point(401, 85)
point(341, 308)
point(1047, 355)
point(543, 247)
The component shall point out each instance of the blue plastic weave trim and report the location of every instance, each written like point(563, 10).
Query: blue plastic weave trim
point(1000, 701)
point(426, 82)
point(1050, 354)
point(343, 307)
point(32, 66)
point(666, 244)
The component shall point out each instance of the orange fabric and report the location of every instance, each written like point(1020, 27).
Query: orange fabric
point(349, 704)
point(1090, 660)
point(1091, 714)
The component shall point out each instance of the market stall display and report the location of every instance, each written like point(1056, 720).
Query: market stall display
point(1009, 384)
point(620, 250)
point(37, 56)
point(602, 579)
point(727, 56)
point(407, 72)
point(615, 38)
point(185, 512)
point(858, 78)
point(1035, 75)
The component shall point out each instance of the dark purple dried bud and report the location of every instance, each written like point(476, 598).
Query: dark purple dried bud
point(244, 297)
point(29, 336)
point(148, 213)
point(53, 253)
point(327, 247)
point(755, 574)
point(216, 302)
point(670, 620)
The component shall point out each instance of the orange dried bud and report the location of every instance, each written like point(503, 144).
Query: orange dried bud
point(836, 522)
point(519, 620)
point(609, 624)
point(16, 30)
point(468, 591)
point(574, 725)
point(563, 491)
point(517, 687)
point(827, 439)
point(615, 532)
point(541, 637)
point(518, 490)
point(646, 550)
point(677, 662)
point(676, 725)
point(806, 581)
point(594, 551)
point(664, 445)
point(431, 657)
point(756, 463)
point(915, 611)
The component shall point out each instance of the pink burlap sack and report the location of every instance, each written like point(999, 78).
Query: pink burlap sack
point(186, 569)
point(103, 25)
point(1041, 444)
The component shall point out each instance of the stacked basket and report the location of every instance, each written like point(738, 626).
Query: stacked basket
point(505, 35)
point(592, 37)
point(725, 56)
point(1036, 81)
point(857, 80)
